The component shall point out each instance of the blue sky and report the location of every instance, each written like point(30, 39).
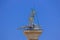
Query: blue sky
point(15, 13)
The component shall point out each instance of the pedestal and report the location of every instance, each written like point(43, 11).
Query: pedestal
point(32, 34)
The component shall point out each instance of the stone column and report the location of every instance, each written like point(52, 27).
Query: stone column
point(32, 34)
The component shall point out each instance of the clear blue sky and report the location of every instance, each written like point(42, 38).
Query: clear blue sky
point(15, 13)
